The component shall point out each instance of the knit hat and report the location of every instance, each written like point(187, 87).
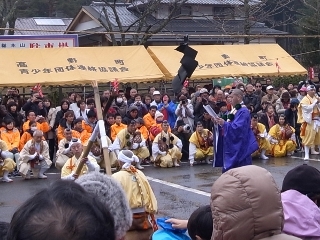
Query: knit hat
point(311, 87)
point(158, 114)
point(127, 157)
point(180, 123)
point(80, 119)
point(203, 90)
point(110, 193)
point(304, 179)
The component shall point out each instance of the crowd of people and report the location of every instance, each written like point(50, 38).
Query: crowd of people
point(159, 129)
point(164, 131)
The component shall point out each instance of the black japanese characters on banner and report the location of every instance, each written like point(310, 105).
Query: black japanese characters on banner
point(263, 62)
point(73, 65)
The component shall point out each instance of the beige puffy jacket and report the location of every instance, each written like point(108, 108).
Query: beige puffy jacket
point(246, 204)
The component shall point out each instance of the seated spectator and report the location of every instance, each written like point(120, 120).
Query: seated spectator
point(132, 114)
point(141, 128)
point(33, 105)
point(258, 90)
point(236, 200)
point(64, 200)
point(35, 156)
point(65, 105)
point(282, 138)
point(42, 124)
point(90, 103)
point(110, 193)
point(68, 170)
point(117, 127)
point(108, 122)
point(67, 122)
point(11, 136)
point(133, 92)
point(300, 200)
point(149, 118)
point(120, 105)
point(64, 152)
point(156, 99)
point(130, 139)
point(283, 103)
point(147, 101)
point(90, 123)
point(206, 121)
point(270, 118)
point(27, 135)
point(157, 127)
point(261, 135)
point(166, 148)
point(12, 108)
point(81, 109)
point(201, 146)
point(168, 108)
point(80, 133)
point(263, 109)
point(271, 98)
point(183, 132)
point(141, 107)
point(7, 165)
point(184, 111)
point(251, 99)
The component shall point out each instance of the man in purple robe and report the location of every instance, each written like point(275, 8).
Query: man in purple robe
point(236, 140)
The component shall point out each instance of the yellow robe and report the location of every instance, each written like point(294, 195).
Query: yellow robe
point(283, 146)
point(172, 153)
point(201, 152)
point(130, 185)
point(8, 163)
point(25, 153)
point(141, 152)
point(308, 134)
point(263, 142)
point(72, 164)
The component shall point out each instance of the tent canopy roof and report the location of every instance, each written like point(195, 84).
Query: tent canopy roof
point(76, 66)
point(216, 61)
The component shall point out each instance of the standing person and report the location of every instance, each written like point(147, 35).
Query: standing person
point(239, 141)
point(184, 111)
point(142, 200)
point(308, 116)
point(168, 108)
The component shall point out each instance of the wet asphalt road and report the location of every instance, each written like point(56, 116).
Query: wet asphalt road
point(179, 191)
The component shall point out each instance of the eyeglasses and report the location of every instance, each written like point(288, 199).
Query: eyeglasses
point(258, 86)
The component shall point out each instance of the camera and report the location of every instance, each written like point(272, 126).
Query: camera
point(183, 102)
point(66, 145)
point(186, 128)
point(204, 101)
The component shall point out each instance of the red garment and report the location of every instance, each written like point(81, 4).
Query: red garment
point(271, 121)
point(165, 114)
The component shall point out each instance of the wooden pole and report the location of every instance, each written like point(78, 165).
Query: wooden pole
point(94, 135)
point(102, 131)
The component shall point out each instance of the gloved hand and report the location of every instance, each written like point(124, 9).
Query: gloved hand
point(69, 177)
point(162, 153)
point(90, 166)
point(31, 157)
point(135, 145)
point(261, 135)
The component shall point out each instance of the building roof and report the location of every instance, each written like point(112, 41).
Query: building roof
point(193, 26)
point(199, 2)
point(43, 23)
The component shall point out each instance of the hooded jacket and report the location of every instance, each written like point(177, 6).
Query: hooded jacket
point(246, 204)
point(302, 215)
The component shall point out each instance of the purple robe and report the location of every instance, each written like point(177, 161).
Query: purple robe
point(237, 143)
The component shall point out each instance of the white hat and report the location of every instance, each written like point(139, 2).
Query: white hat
point(269, 87)
point(158, 114)
point(127, 157)
point(311, 87)
point(156, 93)
point(203, 90)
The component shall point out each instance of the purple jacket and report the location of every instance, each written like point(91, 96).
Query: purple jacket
point(302, 215)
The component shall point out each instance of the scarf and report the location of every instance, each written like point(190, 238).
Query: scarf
point(271, 121)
